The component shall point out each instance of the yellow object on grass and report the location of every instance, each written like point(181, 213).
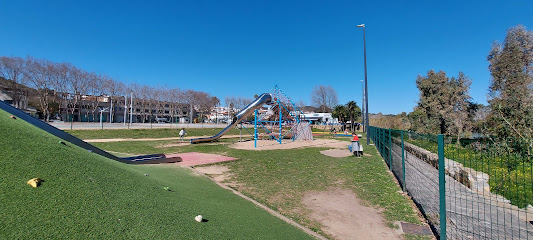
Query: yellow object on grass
point(35, 182)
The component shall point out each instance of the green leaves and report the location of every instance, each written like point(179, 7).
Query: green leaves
point(510, 90)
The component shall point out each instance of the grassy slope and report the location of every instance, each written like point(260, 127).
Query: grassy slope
point(88, 196)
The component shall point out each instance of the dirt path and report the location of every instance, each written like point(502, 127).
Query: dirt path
point(150, 139)
point(339, 211)
point(220, 173)
point(273, 145)
point(343, 216)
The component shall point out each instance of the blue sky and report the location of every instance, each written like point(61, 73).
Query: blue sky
point(242, 48)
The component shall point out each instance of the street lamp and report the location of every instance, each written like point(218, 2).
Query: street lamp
point(366, 86)
point(363, 105)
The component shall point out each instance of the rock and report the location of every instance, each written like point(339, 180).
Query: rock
point(35, 182)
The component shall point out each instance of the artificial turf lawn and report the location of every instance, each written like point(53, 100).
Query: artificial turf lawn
point(88, 196)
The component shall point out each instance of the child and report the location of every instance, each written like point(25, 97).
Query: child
point(355, 137)
point(182, 133)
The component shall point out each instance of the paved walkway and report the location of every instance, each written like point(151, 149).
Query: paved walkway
point(156, 139)
point(96, 125)
point(469, 214)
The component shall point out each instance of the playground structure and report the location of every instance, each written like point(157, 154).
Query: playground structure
point(282, 120)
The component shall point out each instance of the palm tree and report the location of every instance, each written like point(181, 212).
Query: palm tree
point(352, 109)
point(339, 112)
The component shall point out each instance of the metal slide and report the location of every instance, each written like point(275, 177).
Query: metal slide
point(265, 98)
point(146, 159)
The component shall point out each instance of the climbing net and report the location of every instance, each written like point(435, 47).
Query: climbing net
point(284, 120)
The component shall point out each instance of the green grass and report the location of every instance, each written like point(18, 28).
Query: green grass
point(88, 196)
point(280, 178)
point(149, 133)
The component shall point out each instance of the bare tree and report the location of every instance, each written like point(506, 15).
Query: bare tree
point(324, 97)
point(143, 94)
point(95, 86)
point(60, 76)
point(176, 106)
point(189, 98)
point(76, 87)
point(216, 102)
point(113, 89)
point(37, 74)
point(12, 69)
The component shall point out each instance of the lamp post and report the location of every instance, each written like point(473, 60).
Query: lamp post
point(366, 86)
point(363, 105)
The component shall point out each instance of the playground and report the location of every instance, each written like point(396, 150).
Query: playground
point(305, 186)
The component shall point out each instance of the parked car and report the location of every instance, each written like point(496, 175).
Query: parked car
point(162, 120)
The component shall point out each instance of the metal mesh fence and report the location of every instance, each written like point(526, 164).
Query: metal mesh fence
point(467, 189)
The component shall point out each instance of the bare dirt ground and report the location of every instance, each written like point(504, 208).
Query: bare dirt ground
point(178, 144)
point(150, 139)
point(344, 217)
point(216, 172)
point(338, 148)
point(339, 211)
point(273, 145)
point(337, 153)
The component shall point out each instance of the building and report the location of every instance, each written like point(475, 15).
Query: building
point(321, 118)
point(87, 108)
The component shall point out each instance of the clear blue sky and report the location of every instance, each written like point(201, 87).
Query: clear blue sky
point(242, 48)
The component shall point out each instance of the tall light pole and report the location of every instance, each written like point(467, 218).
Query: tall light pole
point(363, 105)
point(366, 87)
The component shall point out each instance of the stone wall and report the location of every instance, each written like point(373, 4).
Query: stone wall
point(475, 180)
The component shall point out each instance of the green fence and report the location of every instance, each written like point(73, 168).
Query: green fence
point(466, 188)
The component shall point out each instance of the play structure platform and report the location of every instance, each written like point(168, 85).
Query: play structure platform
point(283, 120)
point(144, 159)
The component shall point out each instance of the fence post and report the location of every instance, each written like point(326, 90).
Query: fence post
point(442, 189)
point(381, 137)
point(403, 163)
point(390, 150)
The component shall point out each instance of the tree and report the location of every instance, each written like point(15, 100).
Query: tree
point(95, 89)
point(12, 69)
point(216, 102)
point(176, 99)
point(511, 86)
point(112, 88)
point(61, 74)
point(353, 112)
point(340, 112)
point(36, 73)
point(460, 101)
point(77, 85)
point(442, 107)
point(324, 97)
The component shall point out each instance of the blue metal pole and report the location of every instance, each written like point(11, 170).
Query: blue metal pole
point(255, 129)
point(442, 189)
point(279, 106)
